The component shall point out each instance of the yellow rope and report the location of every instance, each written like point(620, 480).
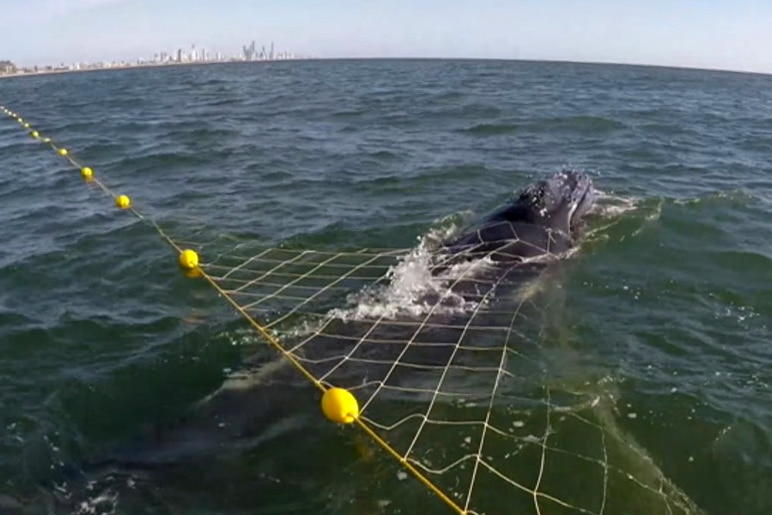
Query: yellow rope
point(124, 202)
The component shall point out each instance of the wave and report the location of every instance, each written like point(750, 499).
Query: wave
point(580, 123)
point(491, 129)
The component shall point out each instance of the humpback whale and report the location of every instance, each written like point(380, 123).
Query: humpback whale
point(545, 218)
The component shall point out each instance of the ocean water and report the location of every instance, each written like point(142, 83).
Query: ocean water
point(104, 345)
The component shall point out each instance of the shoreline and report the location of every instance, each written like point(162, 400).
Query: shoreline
point(140, 66)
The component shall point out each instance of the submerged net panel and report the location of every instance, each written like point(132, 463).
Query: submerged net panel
point(454, 372)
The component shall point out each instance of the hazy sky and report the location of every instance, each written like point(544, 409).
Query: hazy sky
point(728, 34)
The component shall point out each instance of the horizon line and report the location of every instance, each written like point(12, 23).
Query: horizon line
point(388, 58)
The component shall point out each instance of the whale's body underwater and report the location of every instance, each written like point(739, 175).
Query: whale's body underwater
point(541, 222)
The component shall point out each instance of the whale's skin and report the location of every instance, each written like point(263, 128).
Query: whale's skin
point(545, 218)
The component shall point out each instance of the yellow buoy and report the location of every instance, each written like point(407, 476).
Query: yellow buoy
point(87, 173)
point(122, 201)
point(62, 151)
point(46, 140)
point(26, 125)
point(340, 406)
point(188, 259)
point(35, 134)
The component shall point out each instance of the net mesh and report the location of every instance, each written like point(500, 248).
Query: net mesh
point(452, 365)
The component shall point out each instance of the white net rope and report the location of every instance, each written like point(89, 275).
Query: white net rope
point(454, 365)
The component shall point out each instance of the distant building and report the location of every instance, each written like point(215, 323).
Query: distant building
point(249, 52)
point(7, 67)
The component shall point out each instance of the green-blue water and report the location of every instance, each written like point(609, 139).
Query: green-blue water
point(102, 339)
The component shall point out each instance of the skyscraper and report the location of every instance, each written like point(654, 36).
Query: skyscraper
point(249, 52)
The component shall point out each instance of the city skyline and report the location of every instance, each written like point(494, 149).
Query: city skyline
point(195, 55)
point(719, 35)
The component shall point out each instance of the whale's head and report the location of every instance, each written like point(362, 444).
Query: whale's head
point(559, 202)
point(545, 217)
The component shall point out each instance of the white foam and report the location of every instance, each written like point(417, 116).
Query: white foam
point(608, 205)
point(99, 504)
point(412, 288)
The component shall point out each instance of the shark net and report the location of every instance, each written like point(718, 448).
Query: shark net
point(456, 372)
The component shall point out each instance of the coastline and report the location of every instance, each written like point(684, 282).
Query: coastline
point(141, 66)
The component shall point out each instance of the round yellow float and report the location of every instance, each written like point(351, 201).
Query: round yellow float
point(188, 259)
point(122, 201)
point(339, 405)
